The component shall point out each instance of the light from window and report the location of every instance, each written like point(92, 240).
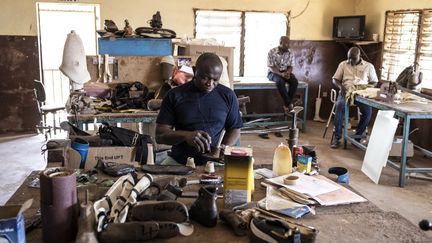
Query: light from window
point(261, 32)
point(407, 41)
point(224, 26)
point(400, 40)
point(425, 50)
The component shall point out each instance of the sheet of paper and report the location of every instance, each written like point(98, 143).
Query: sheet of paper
point(338, 197)
point(379, 145)
point(309, 185)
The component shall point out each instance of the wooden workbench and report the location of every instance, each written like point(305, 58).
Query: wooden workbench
point(362, 222)
point(141, 117)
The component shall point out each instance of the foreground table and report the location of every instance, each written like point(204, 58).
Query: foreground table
point(362, 222)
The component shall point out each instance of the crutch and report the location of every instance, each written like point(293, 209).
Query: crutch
point(333, 96)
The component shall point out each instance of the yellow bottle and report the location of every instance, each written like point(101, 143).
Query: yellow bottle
point(282, 160)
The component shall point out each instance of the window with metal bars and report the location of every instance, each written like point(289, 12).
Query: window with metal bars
point(408, 41)
point(252, 34)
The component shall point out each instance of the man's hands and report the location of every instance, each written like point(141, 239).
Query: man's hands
point(287, 74)
point(199, 139)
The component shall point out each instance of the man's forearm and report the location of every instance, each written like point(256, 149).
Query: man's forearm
point(276, 71)
point(231, 137)
point(169, 137)
point(337, 83)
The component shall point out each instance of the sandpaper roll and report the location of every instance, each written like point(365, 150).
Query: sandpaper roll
point(59, 205)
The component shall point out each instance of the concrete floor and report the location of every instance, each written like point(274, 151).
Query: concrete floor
point(21, 154)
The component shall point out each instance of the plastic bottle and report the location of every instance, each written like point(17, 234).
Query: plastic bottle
point(282, 160)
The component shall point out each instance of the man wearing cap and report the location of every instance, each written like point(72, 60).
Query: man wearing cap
point(280, 61)
point(193, 115)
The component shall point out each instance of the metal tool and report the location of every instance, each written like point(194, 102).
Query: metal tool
point(214, 155)
point(293, 130)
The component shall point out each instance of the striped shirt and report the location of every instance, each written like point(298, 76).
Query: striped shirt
point(280, 60)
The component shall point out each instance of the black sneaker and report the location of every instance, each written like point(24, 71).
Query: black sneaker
point(336, 143)
point(274, 231)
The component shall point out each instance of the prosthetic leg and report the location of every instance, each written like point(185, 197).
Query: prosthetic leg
point(318, 106)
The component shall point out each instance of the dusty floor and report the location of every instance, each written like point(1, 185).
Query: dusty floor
point(21, 154)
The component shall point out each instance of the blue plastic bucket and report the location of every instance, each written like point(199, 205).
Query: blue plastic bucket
point(341, 172)
point(82, 147)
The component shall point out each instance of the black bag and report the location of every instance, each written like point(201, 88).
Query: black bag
point(409, 77)
point(125, 137)
point(114, 169)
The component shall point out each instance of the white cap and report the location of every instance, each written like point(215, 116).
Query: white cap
point(168, 59)
point(74, 64)
point(186, 69)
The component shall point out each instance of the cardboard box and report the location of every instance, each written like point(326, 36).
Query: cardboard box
point(12, 226)
point(118, 154)
point(396, 149)
point(223, 51)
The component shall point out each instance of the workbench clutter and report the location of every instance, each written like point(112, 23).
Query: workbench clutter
point(154, 31)
point(113, 144)
point(172, 202)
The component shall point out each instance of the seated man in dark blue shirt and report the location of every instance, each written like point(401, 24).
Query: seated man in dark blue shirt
point(193, 115)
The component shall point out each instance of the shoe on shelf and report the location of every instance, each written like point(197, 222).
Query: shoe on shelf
point(336, 143)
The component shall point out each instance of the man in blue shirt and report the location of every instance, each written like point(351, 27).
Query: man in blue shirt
point(193, 115)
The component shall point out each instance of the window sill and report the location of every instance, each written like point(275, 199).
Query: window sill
point(250, 80)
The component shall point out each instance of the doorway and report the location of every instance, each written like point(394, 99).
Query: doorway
point(55, 21)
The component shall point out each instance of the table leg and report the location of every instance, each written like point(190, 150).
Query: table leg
point(345, 127)
point(402, 172)
point(305, 102)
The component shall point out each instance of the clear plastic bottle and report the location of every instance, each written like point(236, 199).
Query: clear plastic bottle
point(282, 160)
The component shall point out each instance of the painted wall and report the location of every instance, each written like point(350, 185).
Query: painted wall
point(315, 23)
point(375, 11)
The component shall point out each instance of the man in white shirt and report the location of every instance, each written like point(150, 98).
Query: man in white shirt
point(349, 74)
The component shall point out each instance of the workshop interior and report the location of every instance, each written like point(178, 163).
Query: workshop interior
point(216, 121)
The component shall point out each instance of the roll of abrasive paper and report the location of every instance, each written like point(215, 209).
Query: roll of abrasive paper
point(59, 205)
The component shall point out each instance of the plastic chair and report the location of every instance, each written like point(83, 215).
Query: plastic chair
point(44, 109)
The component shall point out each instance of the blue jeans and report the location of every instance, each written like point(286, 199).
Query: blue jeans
point(366, 113)
point(287, 95)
